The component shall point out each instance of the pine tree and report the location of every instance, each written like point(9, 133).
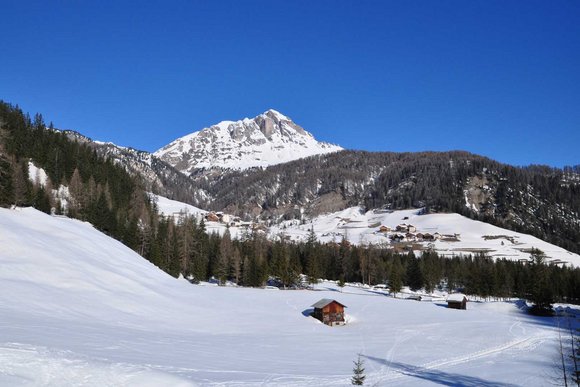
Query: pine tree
point(540, 292)
point(358, 377)
point(396, 276)
point(414, 275)
point(224, 257)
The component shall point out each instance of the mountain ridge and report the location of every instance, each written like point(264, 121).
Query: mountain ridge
point(268, 139)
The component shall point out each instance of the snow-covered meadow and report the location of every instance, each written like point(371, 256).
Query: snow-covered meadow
point(78, 308)
point(472, 236)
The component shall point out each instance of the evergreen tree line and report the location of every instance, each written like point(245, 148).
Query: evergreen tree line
point(185, 247)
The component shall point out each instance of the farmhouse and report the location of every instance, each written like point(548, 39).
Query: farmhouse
point(384, 229)
point(406, 228)
point(212, 217)
point(330, 312)
point(457, 301)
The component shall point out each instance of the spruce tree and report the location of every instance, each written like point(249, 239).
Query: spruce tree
point(358, 377)
point(414, 274)
point(540, 292)
point(396, 277)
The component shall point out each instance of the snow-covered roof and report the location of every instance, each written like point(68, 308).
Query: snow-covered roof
point(325, 301)
point(456, 297)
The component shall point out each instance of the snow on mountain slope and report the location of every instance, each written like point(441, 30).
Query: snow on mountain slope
point(170, 207)
point(472, 236)
point(268, 139)
point(174, 208)
point(78, 308)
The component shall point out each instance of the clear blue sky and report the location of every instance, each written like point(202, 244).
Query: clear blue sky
point(497, 78)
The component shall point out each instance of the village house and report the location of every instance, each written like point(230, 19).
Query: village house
point(330, 312)
point(403, 227)
point(457, 301)
point(384, 229)
point(212, 217)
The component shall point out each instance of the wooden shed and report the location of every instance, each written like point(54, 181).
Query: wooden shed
point(330, 312)
point(457, 301)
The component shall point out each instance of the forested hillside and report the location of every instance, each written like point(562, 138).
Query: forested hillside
point(98, 191)
point(538, 200)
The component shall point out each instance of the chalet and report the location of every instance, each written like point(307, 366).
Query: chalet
point(419, 236)
point(329, 311)
point(411, 228)
point(384, 229)
point(428, 237)
point(212, 217)
point(437, 236)
point(402, 228)
point(457, 301)
point(410, 236)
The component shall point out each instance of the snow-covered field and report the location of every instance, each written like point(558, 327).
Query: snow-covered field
point(473, 236)
point(174, 208)
point(78, 308)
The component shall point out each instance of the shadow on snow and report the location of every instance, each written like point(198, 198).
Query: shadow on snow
point(438, 376)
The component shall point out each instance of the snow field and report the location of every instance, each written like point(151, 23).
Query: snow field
point(362, 228)
point(78, 308)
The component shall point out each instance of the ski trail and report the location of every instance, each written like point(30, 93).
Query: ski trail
point(525, 344)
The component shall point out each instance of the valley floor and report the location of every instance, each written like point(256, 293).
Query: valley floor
point(77, 308)
point(262, 337)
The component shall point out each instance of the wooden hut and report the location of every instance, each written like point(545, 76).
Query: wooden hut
point(330, 312)
point(457, 301)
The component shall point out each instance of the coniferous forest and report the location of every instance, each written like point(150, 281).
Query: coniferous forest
point(104, 194)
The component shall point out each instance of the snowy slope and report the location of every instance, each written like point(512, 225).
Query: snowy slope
point(170, 207)
point(78, 308)
point(268, 139)
point(174, 208)
point(473, 236)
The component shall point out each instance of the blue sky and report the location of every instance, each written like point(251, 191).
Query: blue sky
point(497, 78)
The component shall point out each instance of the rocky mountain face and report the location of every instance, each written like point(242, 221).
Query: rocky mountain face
point(268, 139)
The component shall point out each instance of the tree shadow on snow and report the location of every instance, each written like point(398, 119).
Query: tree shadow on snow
point(438, 376)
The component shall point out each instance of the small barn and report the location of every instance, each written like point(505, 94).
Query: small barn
point(330, 312)
point(457, 301)
point(384, 229)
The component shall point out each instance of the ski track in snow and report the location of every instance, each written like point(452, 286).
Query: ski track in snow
point(519, 345)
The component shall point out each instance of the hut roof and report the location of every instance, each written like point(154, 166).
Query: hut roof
point(456, 297)
point(325, 301)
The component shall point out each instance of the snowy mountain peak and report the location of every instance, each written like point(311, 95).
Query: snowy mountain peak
point(267, 139)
